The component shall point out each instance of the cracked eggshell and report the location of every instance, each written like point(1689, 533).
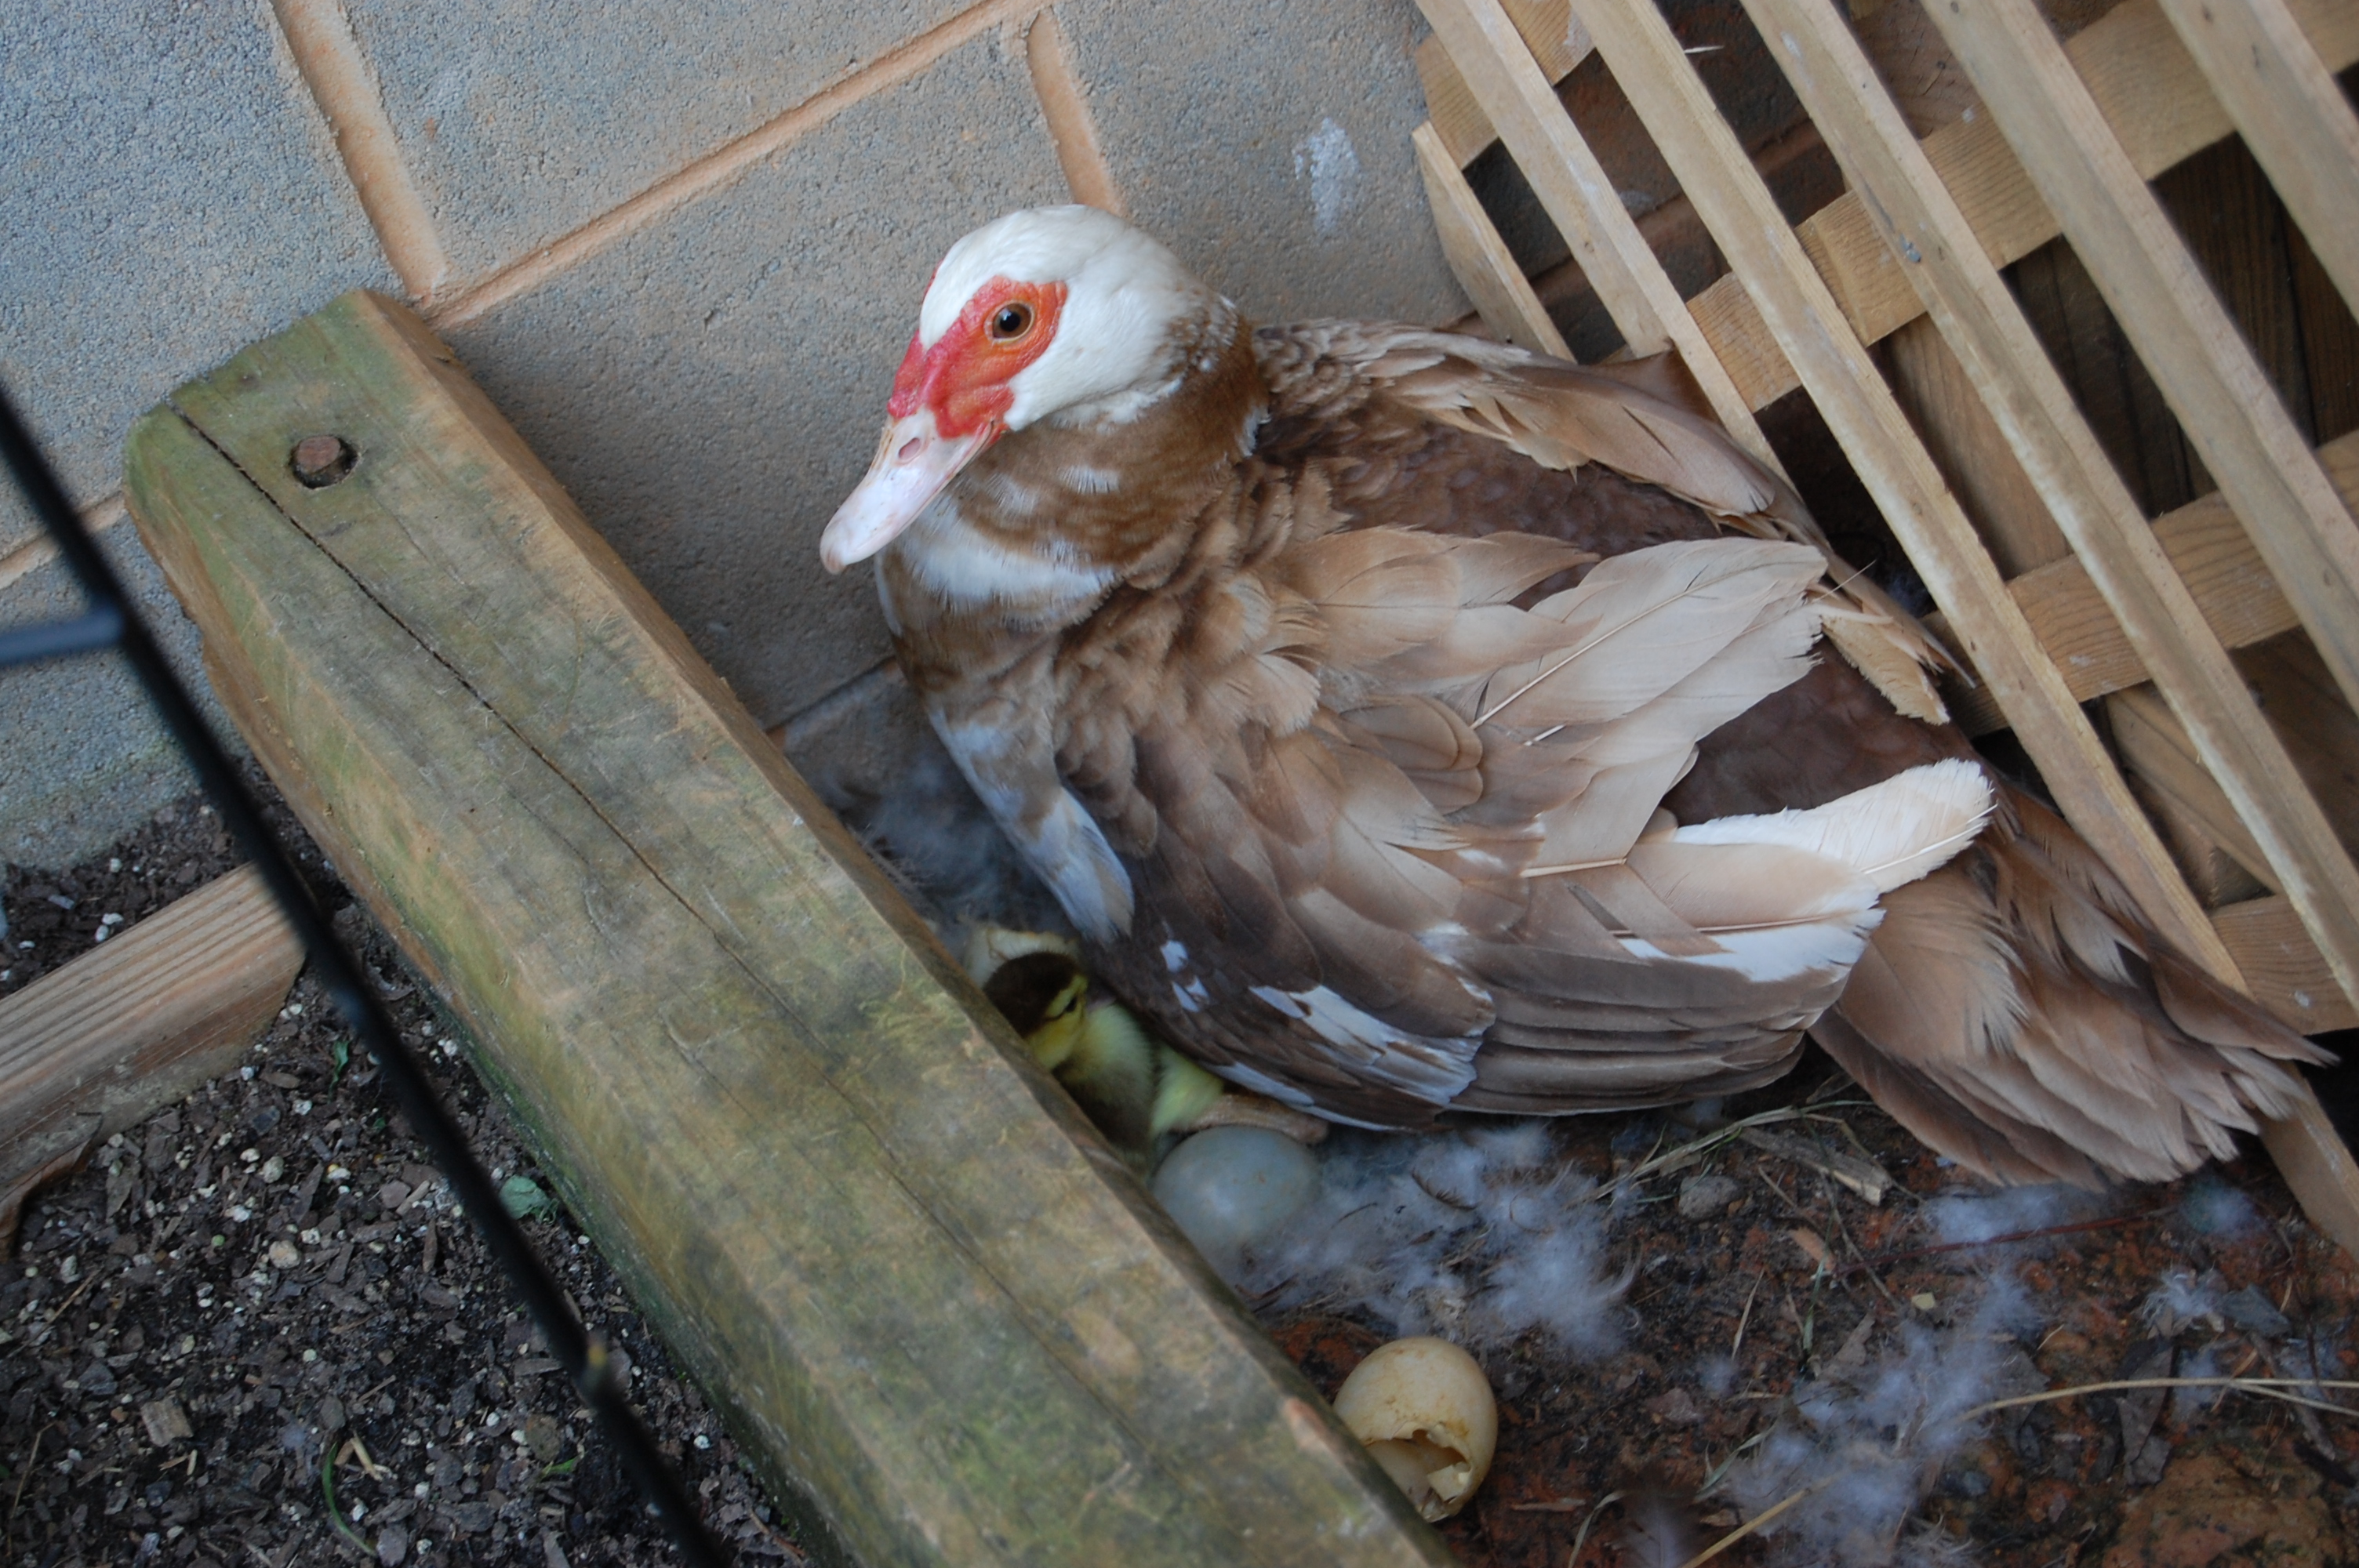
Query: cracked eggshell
point(1424, 1411)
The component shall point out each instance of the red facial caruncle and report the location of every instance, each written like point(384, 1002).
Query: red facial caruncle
point(949, 403)
point(964, 377)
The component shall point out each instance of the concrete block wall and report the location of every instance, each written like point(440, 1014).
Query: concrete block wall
point(681, 246)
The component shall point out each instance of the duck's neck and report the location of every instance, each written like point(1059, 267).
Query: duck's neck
point(1043, 525)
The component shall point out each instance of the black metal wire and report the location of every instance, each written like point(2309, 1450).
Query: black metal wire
point(53, 639)
point(586, 1360)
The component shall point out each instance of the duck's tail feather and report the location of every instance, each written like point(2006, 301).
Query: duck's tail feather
point(2014, 1012)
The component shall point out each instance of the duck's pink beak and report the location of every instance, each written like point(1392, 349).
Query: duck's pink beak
point(913, 461)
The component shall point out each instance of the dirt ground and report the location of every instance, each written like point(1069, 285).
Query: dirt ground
point(254, 1332)
point(1737, 1317)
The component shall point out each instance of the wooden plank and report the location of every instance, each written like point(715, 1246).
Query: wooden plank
point(2281, 965)
point(935, 1308)
point(2115, 394)
point(1972, 452)
point(2320, 734)
point(2156, 747)
point(2212, 872)
point(135, 1024)
point(1478, 256)
point(2211, 552)
point(2149, 88)
point(2220, 204)
point(2329, 343)
point(2231, 414)
point(1547, 29)
point(1583, 204)
point(2237, 760)
point(2282, 971)
point(1645, 59)
point(1507, 82)
point(2293, 686)
point(2018, 386)
point(2317, 1164)
point(2291, 113)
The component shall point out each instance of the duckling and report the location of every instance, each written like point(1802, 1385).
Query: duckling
point(1136, 1091)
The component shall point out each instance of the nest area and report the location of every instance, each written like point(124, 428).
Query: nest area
point(1725, 1311)
point(1676, 1302)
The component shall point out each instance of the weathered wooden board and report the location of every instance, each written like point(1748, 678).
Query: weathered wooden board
point(134, 1025)
point(934, 1304)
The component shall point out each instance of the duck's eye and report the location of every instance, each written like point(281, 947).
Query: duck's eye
point(1011, 321)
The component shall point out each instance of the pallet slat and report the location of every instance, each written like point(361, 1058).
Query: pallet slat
point(2156, 746)
point(2021, 390)
point(2131, 60)
point(2295, 119)
point(1459, 121)
point(1583, 202)
point(2286, 976)
point(2211, 552)
point(1478, 257)
point(2149, 90)
point(2231, 414)
point(936, 1309)
point(1784, 285)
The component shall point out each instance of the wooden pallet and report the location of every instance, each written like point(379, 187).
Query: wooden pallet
point(2065, 139)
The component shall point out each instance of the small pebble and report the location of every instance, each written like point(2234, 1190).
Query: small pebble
point(2255, 1314)
point(1704, 1196)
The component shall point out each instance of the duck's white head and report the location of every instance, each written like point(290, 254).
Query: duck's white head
point(1061, 313)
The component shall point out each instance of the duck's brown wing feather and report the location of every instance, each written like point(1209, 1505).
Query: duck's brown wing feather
point(1351, 880)
point(1379, 394)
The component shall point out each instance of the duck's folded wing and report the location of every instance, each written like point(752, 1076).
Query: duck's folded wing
point(1364, 380)
point(1462, 838)
point(1751, 927)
